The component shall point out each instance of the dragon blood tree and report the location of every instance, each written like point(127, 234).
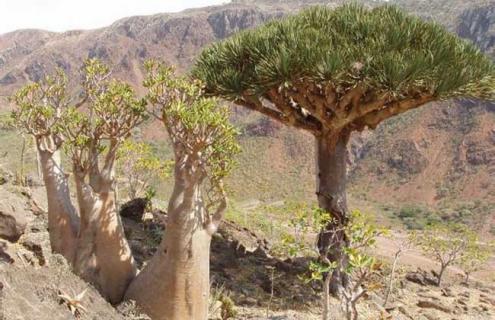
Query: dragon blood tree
point(334, 71)
point(175, 284)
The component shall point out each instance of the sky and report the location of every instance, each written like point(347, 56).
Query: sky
point(63, 15)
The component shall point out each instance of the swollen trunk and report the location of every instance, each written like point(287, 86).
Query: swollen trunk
point(63, 221)
point(331, 192)
point(103, 257)
point(175, 284)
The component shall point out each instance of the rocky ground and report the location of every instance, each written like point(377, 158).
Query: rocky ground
point(33, 281)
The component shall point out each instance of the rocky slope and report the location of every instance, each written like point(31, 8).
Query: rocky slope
point(442, 156)
point(33, 280)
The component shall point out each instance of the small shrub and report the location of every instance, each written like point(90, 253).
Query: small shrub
point(221, 304)
point(446, 243)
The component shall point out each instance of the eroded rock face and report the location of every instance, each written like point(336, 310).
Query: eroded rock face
point(35, 71)
point(407, 158)
point(478, 25)
point(477, 154)
point(229, 21)
point(13, 215)
point(9, 78)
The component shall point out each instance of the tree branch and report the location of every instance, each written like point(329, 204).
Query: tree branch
point(374, 118)
point(350, 97)
point(253, 103)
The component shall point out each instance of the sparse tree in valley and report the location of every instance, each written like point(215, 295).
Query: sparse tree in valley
point(445, 243)
point(475, 257)
point(175, 283)
point(332, 72)
point(404, 246)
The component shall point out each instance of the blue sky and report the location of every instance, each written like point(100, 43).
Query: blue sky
point(62, 15)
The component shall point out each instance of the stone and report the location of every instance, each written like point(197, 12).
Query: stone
point(405, 312)
point(420, 277)
point(248, 301)
point(260, 253)
point(447, 292)
point(426, 304)
point(134, 209)
point(13, 216)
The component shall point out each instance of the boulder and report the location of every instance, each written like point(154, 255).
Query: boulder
point(13, 215)
point(427, 304)
point(135, 209)
point(420, 277)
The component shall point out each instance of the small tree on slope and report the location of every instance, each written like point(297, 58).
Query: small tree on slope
point(91, 132)
point(175, 283)
point(334, 71)
point(447, 244)
point(93, 136)
point(475, 257)
point(39, 109)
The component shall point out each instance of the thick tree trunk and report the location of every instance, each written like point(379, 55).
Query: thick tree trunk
point(63, 221)
point(331, 191)
point(103, 257)
point(175, 283)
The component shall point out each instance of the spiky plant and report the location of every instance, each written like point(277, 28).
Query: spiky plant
point(335, 71)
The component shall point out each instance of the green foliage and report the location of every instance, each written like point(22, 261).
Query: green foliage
point(221, 302)
point(470, 213)
point(417, 217)
point(360, 266)
point(361, 231)
point(389, 51)
point(139, 166)
point(194, 123)
point(291, 240)
point(39, 105)
point(475, 256)
point(446, 243)
point(227, 310)
point(112, 112)
point(362, 234)
point(442, 238)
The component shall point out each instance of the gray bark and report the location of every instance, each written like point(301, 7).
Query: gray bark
point(331, 191)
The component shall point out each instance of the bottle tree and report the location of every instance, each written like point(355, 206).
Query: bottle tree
point(334, 71)
point(93, 135)
point(175, 284)
point(38, 112)
point(90, 132)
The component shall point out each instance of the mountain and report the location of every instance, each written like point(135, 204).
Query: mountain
point(439, 159)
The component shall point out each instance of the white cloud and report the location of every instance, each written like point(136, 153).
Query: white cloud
point(62, 15)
